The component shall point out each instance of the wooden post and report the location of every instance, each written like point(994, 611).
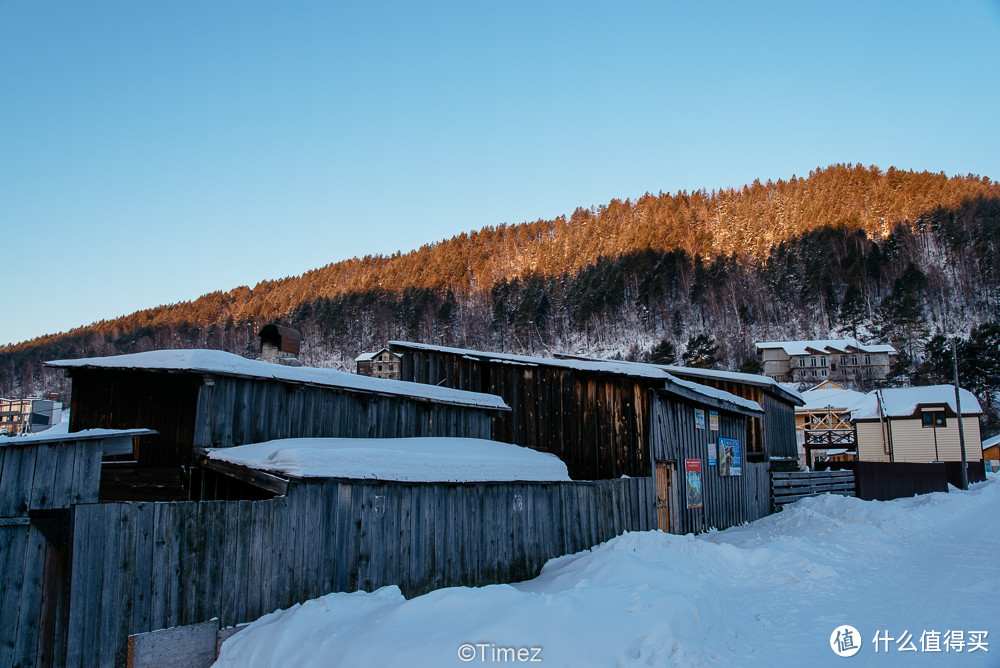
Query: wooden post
point(958, 410)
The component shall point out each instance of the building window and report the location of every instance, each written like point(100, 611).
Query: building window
point(933, 418)
point(854, 360)
point(843, 360)
point(868, 359)
point(824, 372)
point(814, 372)
point(822, 362)
point(802, 361)
point(812, 362)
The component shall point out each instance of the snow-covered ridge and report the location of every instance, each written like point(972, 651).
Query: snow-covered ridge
point(220, 362)
point(423, 459)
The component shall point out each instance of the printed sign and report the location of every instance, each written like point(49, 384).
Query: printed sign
point(730, 457)
point(699, 418)
point(713, 420)
point(712, 449)
point(692, 471)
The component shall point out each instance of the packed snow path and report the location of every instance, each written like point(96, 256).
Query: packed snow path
point(769, 593)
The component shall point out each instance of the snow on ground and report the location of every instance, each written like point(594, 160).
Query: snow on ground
point(418, 459)
point(769, 593)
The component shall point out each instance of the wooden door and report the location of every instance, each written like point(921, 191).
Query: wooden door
point(666, 475)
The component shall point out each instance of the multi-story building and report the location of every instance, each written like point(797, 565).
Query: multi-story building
point(842, 360)
point(383, 364)
point(26, 416)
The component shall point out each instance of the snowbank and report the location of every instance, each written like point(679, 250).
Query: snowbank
point(769, 593)
point(403, 459)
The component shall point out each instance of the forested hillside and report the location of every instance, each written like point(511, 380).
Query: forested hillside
point(850, 249)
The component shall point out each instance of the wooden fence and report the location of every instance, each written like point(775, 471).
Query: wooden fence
point(790, 486)
point(882, 481)
point(144, 566)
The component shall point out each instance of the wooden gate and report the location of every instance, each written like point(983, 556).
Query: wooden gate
point(666, 496)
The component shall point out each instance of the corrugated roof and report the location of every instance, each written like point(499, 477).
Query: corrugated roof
point(228, 364)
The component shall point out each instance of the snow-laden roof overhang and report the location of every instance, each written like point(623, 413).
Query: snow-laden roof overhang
point(424, 459)
point(227, 364)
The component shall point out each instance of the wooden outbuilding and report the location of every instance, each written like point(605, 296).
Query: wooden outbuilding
point(609, 419)
point(209, 398)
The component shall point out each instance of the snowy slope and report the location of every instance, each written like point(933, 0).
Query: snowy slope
point(769, 593)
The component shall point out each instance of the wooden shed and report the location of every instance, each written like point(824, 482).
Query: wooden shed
point(42, 477)
point(209, 398)
point(770, 437)
point(609, 419)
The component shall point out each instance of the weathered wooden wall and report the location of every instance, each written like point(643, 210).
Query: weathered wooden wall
point(728, 500)
point(36, 479)
point(596, 423)
point(143, 566)
point(779, 428)
point(131, 399)
point(234, 411)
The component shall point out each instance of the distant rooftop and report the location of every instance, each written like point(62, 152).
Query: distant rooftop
point(826, 346)
point(228, 364)
point(841, 399)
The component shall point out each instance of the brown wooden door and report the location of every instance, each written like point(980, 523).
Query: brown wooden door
point(666, 474)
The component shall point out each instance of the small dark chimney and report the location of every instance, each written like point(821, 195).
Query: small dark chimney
point(280, 345)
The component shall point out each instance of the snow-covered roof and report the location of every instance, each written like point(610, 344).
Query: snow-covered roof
point(228, 364)
point(990, 442)
point(367, 357)
point(708, 374)
point(839, 399)
point(427, 459)
point(827, 346)
point(906, 401)
point(57, 434)
point(634, 369)
point(765, 382)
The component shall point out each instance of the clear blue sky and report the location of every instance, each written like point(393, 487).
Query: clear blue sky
point(151, 152)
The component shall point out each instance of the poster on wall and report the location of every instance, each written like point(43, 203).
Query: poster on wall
point(692, 473)
point(699, 418)
point(713, 420)
point(712, 449)
point(730, 457)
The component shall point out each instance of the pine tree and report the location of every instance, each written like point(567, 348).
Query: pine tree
point(662, 353)
point(701, 352)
